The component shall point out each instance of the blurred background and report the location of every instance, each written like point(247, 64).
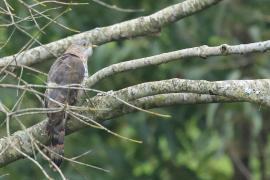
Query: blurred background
point(215, 141)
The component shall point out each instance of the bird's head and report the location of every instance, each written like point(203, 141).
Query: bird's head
point(81, 48)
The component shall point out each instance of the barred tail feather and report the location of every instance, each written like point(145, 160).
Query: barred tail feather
point(57, 134)
point(57, 146)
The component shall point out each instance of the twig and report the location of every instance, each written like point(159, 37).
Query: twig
point(74, 161)
point(56, 2)
point(114, 7)
point(144, 26)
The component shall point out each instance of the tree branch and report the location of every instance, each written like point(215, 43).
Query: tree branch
point(255, 91)
point(202, 51)
point(172, 99)
point(137, 27)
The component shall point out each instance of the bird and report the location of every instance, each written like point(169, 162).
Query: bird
point(70, 68)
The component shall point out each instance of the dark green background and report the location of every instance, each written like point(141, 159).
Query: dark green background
point(206, 142)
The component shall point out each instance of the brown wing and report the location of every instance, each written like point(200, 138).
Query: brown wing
point(68, 69)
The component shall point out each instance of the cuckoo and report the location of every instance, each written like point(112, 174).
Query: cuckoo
point(70, 68)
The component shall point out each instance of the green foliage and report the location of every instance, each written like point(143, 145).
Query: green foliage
point(199, 140)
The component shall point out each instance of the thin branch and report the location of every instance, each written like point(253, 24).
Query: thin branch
point(202, 51)
point(46, 17)
point(8, 39)
point(81, 155)
point(137, 27)
point(74, 161)
point(114, 7)
point(28, 44)
point(56, 2)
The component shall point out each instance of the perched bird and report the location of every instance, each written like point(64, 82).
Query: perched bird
point(70, 68)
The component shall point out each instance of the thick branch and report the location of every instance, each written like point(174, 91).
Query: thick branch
point(256, 91)
point(172, 99)
point(202, 51)
point(132, 28)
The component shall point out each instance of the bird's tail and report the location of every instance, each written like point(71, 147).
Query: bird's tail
point(56, 134)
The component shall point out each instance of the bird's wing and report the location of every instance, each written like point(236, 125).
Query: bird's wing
point(68, 69)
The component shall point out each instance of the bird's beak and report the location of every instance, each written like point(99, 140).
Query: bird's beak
point(93, 46)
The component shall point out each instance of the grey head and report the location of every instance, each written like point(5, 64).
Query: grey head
point(81, 48)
